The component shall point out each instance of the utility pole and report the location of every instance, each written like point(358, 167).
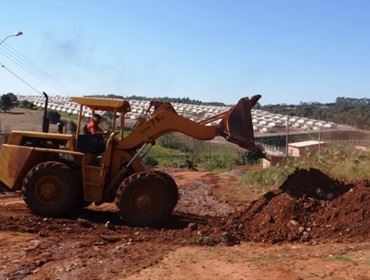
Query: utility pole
point(287, 136)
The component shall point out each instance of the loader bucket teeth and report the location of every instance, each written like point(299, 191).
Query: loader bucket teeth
point(238, 126)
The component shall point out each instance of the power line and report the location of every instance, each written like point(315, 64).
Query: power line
point(30, 71)
point(15, 75)
point(35, 70)
point(10, 49)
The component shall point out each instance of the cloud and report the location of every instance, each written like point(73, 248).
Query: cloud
point(74, 50)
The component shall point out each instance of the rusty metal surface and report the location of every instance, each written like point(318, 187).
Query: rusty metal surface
point(239, 125)
point(12, 162)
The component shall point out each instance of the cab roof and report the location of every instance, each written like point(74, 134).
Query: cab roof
point(104, 104)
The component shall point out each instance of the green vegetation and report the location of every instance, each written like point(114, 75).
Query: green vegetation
point(350, 111)
point(340, 162)
point(265, 260)
point(166, 156)
point(150, 161)
point(27, 105)
point(177, 150)
point(6, 103)
point(254, 156)
point(342, 258)
point(221, 160)
point(54, 116)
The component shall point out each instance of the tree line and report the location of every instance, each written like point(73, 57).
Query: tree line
point(185, 100)
point(350, 111)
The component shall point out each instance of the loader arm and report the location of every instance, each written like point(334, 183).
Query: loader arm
point(235, 125)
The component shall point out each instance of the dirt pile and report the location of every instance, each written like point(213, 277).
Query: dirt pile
point(309, 206)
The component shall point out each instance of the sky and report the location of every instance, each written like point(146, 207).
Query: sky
point(220, 50)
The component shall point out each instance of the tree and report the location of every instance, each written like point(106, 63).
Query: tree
point(194, 148)
point(6, 103)
point(54, 117)
point(13, 98)
point(28, 105)
point(254, 155)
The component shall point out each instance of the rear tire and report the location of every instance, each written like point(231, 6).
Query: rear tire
point(51, 189)
point(144, 199)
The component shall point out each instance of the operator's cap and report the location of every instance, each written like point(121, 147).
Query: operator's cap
point(97, 116)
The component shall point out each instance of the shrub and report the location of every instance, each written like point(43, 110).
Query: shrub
point(339, 162)
point(28, 105)
point(222, 160)
point(54, 117)
point(254, 155)
point(150, 161)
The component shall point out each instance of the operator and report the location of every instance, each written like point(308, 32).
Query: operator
point(93, 128)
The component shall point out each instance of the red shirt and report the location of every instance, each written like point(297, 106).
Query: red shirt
point(93, 127)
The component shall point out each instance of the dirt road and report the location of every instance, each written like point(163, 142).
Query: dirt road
point(94, 244)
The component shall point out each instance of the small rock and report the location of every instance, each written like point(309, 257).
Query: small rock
point(109, 225)
point(301, 229)
point(39, 263)
point(240, 226)
point(313, 242)
point(32, 230)
point(305, 236)
point(330, 196)
point(293, 225)
point(43, 233)
point(308, 229)
point(122, 248)
point(110, 238)
point(208, 241)
point(229, 239)
point(293, 222)
point(85, 223)
point(193, 226)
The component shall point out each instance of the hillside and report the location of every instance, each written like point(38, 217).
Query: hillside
point(350, 111)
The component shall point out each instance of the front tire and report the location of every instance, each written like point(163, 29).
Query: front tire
point(144, 200)
point(171, 184)
point(51, 189)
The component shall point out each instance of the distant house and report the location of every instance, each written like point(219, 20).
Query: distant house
point(271, 161)
point(299, 149)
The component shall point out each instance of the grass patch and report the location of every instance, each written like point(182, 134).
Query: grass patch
point(340, 162)
point(218, 160)
point(167, 156)
point(341, 258)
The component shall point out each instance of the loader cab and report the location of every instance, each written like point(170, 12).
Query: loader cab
point(85, 142)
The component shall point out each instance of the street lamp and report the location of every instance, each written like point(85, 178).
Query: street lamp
point(19, 33)
point(287, 131)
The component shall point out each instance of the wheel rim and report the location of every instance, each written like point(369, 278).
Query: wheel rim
point(144, 202)
point(49, 189)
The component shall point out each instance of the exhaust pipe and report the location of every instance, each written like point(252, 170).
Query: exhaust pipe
point(45, 119)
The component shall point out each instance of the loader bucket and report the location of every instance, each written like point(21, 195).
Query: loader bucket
point(238, 126)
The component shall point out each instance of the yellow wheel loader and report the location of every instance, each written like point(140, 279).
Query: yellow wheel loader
point(56, 174)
